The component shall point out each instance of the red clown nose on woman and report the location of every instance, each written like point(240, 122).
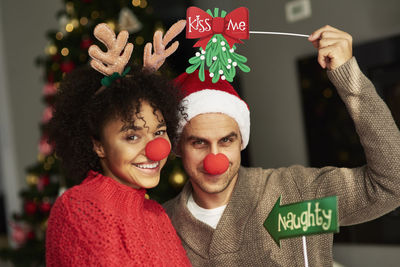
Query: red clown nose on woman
point(157, 149)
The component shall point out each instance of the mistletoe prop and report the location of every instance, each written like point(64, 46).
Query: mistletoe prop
point(217, 34)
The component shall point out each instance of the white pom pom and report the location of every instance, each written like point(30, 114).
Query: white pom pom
point(222, 43)
point(224, 48)
point(203, 51)
point(223, 77)
point(229, 60)
point(231, 50)
point(221, 72)
point(211, 74)
point(214, 40)
point(229, 67)
point(234, 64)
point(214, 58)
point(202, 57)
point(197, 54)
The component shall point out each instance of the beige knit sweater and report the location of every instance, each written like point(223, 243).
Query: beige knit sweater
point(364, 193)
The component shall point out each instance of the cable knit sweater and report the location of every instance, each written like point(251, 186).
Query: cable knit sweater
point(364, 193)
point(104, 223)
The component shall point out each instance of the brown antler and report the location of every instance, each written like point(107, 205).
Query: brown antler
point(112, 60)
point(154, 61)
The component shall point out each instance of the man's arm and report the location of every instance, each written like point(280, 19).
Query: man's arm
point(374, 189)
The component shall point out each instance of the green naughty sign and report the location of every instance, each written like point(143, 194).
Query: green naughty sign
point(303, 218)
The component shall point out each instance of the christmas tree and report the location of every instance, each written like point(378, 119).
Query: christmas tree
point(67, 49)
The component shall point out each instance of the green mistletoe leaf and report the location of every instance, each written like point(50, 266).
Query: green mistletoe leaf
point(192, 68)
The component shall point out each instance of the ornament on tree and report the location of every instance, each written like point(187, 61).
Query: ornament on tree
point(42, 182)
point(86, 43)
point(44, 147)
point(30, 207)
point(19, 233)
point(49, 89)
point(45, 206)
point(128, 21)
point(215, 164)
point(32, 179)
point(217, 34)
point(177, 178)
point(47, 114)
point(67, 66)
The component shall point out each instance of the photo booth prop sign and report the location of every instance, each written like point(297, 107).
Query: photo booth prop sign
point(218, 33)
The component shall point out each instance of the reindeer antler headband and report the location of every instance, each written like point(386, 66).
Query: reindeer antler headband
point(112, 63)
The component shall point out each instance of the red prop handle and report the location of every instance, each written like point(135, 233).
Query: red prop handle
point(157, 149)
point(215, 164)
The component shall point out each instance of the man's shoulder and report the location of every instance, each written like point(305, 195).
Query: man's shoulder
point(171, 204)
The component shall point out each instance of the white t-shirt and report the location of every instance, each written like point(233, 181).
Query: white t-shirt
point(207, 216)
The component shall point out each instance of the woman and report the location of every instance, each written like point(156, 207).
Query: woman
point(115, 137)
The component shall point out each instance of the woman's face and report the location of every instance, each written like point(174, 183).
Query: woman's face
point(122, 148)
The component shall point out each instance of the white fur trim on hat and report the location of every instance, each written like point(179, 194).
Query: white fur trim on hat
point(216, 101)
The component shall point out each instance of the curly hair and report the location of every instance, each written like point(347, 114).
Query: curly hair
point(81, 114)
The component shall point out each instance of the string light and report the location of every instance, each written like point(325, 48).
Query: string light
point(65, 51)
point(50, 160)
point(95, 14)
point(47, 167)
point(32, 179)
point(59, 36)
point(69, 7)
point(139, 40)
point(143, 4)
point(75, 23)
point(136, 2)
point(159, 26)
point(111, 24)
point(84, 21)
point(69, 27)
point(40, 156)
point(51, 50)
point(327, 93)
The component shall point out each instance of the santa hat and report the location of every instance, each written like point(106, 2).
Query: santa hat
point(207, 97)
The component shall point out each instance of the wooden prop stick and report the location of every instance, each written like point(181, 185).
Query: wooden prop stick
point(281, 33)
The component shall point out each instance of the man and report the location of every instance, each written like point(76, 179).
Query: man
point(220, 217)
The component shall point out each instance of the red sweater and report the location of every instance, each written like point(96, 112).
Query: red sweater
point(104, 223)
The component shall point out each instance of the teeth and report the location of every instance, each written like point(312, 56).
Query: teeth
point(147, 166)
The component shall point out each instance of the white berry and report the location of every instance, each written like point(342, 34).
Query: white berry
point(231, 50)
point(221, 72)
point(211, 74)
point(228, 67)
point(223, 77)
point(214, 40)
point(214, 58)
point(224, 48)
point(234, 64)
point(202, 57)
point(222, 43)
point(229, 60)
point(197, 54)
point(203, 51)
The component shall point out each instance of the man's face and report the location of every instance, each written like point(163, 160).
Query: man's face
point(210, 133)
